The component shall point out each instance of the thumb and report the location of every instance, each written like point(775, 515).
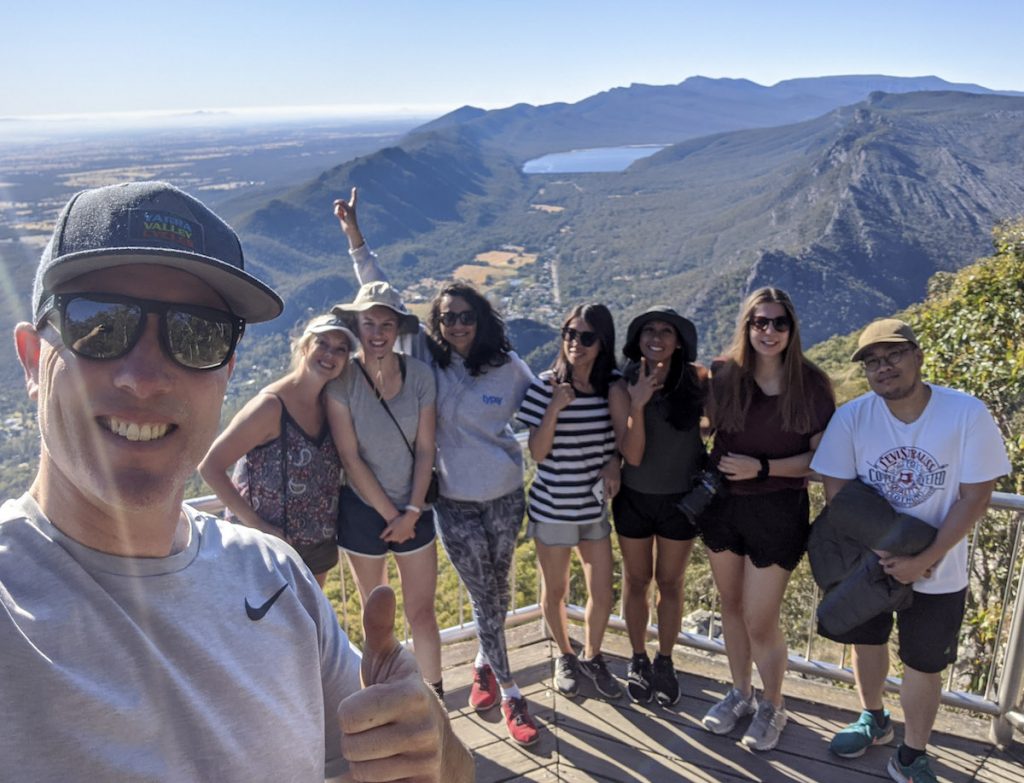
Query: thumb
point(383, 660)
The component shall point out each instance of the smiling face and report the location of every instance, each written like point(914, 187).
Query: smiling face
point(771, 342)
point(658, 342)
point(459, 336)
point(378, 331)
point(327, 354)
point(576, 353)
point(898, 374)
point(125, 433)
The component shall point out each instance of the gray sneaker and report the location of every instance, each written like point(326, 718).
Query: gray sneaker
point(722, 717)
point(766, 727)
point(597, 670)
point(567, 674)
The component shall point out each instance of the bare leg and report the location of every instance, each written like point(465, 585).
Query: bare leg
point(418, 572)
point(369, 572)
point(763, 589)
point(870, 668)
point(597, 571)
point(919, 697)
point(727, 569)
point(554, 569)
point(672, 558)
point(637, 572)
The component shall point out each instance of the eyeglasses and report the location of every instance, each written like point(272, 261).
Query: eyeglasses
point(891, 358)
point(586, 339)
point(466, 318)
point(108, 326)
point(761, 323)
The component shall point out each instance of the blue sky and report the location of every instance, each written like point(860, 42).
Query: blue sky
point(62, 57)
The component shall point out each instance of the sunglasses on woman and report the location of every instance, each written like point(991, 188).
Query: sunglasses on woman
point(108, 326)
point(586, 339)
point(761, 323)
point(466, 318)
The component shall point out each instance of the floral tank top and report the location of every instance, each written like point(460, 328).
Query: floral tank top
point(293, 482)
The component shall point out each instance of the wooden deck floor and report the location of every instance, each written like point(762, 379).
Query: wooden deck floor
point(587, 738)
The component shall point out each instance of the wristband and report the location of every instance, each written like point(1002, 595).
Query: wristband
point(762, 474)
point(411, 507)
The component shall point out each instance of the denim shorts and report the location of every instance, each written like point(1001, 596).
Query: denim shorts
point(318, 557)
point(360, 526)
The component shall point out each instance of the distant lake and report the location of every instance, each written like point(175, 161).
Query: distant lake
point(590, 160)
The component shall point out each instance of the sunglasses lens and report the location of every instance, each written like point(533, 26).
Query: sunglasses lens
point(466, 318)
point(100, 330)
point(587, 339)
point(198, 340)
point(761, 323)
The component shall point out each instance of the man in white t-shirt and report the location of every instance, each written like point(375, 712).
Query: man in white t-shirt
point(140, 640)
point(934, 453)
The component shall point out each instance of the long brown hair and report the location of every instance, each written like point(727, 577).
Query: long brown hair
point(733, 383)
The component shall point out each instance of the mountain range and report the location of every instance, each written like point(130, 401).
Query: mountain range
point(849, 191)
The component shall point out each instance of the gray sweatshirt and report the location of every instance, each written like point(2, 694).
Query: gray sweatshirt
point(478, 457)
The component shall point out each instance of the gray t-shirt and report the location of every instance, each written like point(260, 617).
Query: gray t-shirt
point(166, 669)
point(380, 445)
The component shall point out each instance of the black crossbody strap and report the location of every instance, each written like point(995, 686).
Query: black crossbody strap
point(386, 408)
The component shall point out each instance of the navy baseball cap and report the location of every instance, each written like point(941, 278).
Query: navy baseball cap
point(151, 223)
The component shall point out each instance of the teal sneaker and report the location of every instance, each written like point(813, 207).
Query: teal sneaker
point(918, 772)
point(851, 742)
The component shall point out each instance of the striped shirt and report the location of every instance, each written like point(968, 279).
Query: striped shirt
point(562, 490)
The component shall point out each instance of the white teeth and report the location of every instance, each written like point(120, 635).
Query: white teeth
point(137, 432)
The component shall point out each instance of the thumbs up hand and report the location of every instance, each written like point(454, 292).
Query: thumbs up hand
point(395, 728)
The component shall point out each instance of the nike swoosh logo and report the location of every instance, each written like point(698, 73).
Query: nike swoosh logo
point(257, 612)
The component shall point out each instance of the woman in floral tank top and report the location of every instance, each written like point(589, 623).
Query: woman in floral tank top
point(287, 470)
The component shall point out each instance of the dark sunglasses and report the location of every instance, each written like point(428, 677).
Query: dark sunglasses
point(761, 323)
point(466, 318)
point(891, 358)
point(108, 326)
point(586, 339)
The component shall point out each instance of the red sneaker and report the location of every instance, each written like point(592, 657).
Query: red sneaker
point(484, 693)
point(520, 725)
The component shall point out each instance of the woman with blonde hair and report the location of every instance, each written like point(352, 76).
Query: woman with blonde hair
point(768, 406)
point(287, 470)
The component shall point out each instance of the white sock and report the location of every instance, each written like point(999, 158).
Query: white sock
point(481, 659)
point(511, 692)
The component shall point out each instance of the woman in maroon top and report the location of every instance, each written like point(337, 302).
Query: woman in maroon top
point(768, 406)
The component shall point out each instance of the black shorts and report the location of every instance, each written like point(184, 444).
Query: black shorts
point(639, 515)
point(770, 528)
point(318, 557)
point(360, 526)
point(929, 630)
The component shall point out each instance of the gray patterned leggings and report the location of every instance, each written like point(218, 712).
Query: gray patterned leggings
point(480, 539)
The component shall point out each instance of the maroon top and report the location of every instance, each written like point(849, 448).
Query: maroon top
point(762, 435)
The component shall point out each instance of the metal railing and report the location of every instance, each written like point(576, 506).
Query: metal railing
point(1004, 688)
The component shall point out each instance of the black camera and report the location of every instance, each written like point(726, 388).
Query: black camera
point(706, 485)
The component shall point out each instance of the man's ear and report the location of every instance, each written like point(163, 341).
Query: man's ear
point(27, 342)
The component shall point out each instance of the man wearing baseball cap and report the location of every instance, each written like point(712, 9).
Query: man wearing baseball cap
point(934, 453)
point(139, 639)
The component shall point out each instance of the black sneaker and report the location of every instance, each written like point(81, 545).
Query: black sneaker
point(597, 670)
point(567, 674)
point(664, 682)
point(638, 679)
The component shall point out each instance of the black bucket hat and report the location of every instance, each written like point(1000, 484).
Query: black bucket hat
point(683, 326)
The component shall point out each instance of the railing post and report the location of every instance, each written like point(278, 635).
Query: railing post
point(1010, 683)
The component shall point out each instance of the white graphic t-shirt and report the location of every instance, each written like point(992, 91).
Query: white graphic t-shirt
point(918, 467)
